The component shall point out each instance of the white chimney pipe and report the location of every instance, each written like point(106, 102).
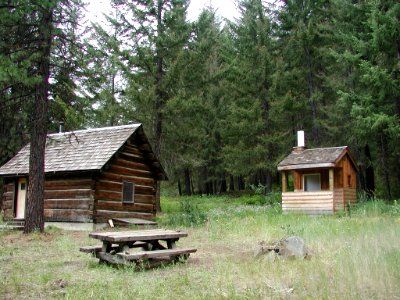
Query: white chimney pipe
point(300, 139)
point(61, 128)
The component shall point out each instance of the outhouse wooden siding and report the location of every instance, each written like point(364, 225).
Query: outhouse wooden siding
point(310, 202)
point(338, 179)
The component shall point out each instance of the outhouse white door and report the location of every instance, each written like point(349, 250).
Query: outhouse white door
point(21, 198)
point(312, 182)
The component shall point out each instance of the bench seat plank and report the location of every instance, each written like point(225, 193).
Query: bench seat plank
point(97, 248)
point(155, 254)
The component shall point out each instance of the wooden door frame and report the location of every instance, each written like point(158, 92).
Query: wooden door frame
point(16, 194)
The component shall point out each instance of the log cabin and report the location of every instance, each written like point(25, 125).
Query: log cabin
point(319, 180)
point(91, 176)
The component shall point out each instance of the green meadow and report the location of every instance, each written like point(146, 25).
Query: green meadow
point(353, 256)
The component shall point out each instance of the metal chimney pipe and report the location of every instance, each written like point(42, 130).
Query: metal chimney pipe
point(61, 127)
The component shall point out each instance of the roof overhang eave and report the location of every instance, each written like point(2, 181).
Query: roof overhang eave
point(60, 172)
point(306, 166)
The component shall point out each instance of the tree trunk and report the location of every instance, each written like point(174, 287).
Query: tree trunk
point(384, 159)
point(188, 191)
point(268, 182)
point(369, 173)
point(34, 218)
point(231, 184)
point(191, 184)
point(179, 187)
point(159, 97)
point(223, 186)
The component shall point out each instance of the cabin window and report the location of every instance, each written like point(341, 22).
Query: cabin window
point(312, 182)
point(128, 192)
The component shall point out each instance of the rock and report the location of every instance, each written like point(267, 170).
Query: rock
point(292, 247)
point(286, 248)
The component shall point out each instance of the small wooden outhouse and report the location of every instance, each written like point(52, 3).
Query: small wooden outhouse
point(318, 181)
point(91, 176)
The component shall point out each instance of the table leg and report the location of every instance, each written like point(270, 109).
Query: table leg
point(155, 245)
point(106, 246)
point(171, 243)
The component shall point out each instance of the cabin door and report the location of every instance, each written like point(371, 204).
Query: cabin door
point(21, 198)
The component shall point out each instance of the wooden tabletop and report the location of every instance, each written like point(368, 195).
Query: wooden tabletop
point(138, 235)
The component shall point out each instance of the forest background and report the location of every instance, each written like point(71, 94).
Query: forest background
point(220, 100)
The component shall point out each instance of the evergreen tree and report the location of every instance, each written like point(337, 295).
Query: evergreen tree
point(28, 32)
point(68, 103)
point(371, 91)
point(193, 116)
point(154, 36)
point(302, 64)
point(249, 148)
point(103, 78)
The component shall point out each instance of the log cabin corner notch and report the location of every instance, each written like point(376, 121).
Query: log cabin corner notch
point(324, 180)
point(92, 176)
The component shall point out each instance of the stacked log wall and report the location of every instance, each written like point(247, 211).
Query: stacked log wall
point(128, 165)
point(8, 201)
point(69, 200)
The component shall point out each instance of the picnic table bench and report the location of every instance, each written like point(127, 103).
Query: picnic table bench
point(120, 247)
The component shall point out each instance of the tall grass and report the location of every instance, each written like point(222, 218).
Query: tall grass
point(354, 256)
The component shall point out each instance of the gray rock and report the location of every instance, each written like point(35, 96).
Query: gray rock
point(292, 247)
point(286, 248)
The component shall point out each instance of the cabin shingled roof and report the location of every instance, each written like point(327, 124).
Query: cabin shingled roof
point(81, 150)
point(313, 158)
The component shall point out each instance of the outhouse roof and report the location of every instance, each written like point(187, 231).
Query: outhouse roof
point(82, 150)
point(314, 158)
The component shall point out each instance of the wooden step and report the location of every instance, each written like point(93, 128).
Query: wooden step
point(11, 227)
point(156, 253)
point(132, 221)
point(149, 258)
point(14, 224)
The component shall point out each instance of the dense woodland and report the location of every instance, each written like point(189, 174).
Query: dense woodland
point(220, 100)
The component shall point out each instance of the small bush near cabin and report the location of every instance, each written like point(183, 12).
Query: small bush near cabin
point(376, 207)
point(188, 215)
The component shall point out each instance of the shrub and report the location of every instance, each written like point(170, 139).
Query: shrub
point(260, 198)
point(377, 207)
point(188, 215)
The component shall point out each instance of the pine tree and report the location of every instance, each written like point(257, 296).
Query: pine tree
point(247, 128)
point(28, 31)
point(154, 35)
point(372, 89)
point(194, 140)
point(302, 64)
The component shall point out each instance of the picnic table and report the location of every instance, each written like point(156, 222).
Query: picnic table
point(121, 247)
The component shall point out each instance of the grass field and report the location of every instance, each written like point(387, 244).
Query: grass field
point(354, 256)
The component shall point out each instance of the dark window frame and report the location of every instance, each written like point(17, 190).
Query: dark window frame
point(128, 192)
